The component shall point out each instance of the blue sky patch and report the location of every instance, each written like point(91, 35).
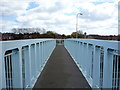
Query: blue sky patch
point(9, 18)
point(69, 14)
point(32, 5)
point(23, 15)
point(97, 3)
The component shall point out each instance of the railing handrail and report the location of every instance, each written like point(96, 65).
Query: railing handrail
point(105, 43)
point(7, 45)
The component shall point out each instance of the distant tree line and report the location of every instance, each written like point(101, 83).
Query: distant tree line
point(35, 33)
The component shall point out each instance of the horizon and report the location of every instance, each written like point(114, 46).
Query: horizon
point(99, 16)
point(59, 33)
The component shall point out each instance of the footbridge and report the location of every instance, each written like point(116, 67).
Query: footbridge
point(59, 63)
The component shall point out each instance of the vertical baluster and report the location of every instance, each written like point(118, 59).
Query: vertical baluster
point(117, 72)
point(10, 71)
point(6, 71)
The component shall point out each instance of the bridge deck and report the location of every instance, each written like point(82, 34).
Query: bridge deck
point(61, 72)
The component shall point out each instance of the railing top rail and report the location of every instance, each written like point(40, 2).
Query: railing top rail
point(105, 43)
point(20, 43)
point(13, 44)
point(43, 39)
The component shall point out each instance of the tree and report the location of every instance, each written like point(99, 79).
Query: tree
point(79, 34)
point(52, 34)
point(73, 35)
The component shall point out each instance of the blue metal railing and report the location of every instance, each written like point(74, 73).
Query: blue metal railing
point(22, 61)
point(99, 61)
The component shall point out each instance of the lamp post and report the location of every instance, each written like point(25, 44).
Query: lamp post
point(77, 23)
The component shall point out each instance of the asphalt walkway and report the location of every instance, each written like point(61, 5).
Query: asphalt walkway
point(61, 71)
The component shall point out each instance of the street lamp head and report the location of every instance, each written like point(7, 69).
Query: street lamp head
point(81, 14)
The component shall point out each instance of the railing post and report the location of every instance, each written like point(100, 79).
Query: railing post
point(90, 59)
point(39, 56)
point(2, 71)
point(82, 55)
point(45, 51)
point(78, 53)
point(107, 69)
point(73, 48)
point(32, 64)
point(35, 60)
point(17, 68)
point(27, 67)
point(96, 67)
point(90, 64)
point(42, 54)
point(87, 60)
point(30, 76)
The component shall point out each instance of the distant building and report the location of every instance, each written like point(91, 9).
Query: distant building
point(110, 37)
point(92, 36)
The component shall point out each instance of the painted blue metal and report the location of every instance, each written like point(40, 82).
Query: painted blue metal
point(98, 60)
point(1, 65)
point(95, 59)
point(28, 59)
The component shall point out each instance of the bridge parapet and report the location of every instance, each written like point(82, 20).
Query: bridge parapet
point(21, 61)
point(99, 61)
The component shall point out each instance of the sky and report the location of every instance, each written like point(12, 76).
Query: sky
point(99, 16)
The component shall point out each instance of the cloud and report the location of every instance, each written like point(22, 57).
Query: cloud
point(12, 8)
point(6, 26)
point(99, 16)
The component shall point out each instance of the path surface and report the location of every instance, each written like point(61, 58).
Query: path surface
point(61, 72)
